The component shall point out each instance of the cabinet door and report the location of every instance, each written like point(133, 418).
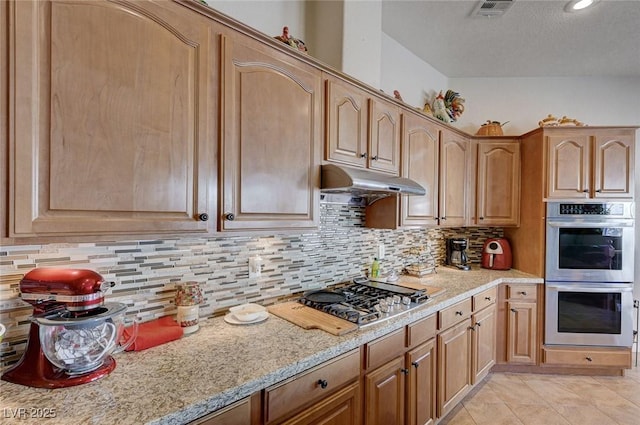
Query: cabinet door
point(270, 157)
point(421, 393)
point(613, 168)
point(112, 126)
point(420, 147)
point(454, 164)
point(568, 166)
point(347, 118)
point(522, 332)
point(454, 366)
point(483, 349)
point(341, 408)
point(384, 131)
point(498, 184)
point(385, 394)
point(238, 413)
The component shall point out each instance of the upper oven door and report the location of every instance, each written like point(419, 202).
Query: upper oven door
point(597, 250)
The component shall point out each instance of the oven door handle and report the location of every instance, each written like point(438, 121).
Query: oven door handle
point(579, 224)
point(600, 287)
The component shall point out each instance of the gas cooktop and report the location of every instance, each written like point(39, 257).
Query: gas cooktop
point(365, 302)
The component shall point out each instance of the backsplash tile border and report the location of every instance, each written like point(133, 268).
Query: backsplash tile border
point(147, 271)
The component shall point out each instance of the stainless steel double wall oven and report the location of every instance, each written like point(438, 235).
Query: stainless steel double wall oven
point(589, 274)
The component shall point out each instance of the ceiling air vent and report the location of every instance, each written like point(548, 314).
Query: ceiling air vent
point(492, 8)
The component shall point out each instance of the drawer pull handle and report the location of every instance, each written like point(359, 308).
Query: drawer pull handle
point(404, 371)
point(458, 313)
point(589, 359)
point(323, 383)
point(415, 364)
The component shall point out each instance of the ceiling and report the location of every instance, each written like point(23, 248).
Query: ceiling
point(533, 38)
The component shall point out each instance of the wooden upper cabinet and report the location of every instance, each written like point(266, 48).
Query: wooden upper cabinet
point(613, 165)
point(111, 127)
point(590, 163)
point(361, 130)
point(569, 166)
point(455, 154)
point(497, 183)
point(420, 152)
point(347, 110)
point(384, 130)
point(270, 148)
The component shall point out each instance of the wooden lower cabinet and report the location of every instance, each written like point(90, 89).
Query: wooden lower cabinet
point(483, 343)
point(454, 359)
point(384, 391)
point(520, 329)
point(238, 413)
point(421, 384)
point(341, 408)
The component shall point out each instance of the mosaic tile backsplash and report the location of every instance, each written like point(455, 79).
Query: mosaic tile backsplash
point(146, 271)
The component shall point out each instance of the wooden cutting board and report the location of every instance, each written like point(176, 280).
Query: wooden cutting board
point(309, 318)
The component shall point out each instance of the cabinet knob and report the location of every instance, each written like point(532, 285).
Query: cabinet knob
point(203, 217)
point(523, 292)
point(487, 298)
point(404, 371)
point(589, 359)
point(598, 191)
point(415, 364)
point(480, 218)
point(478, 324)
point(363, 155)
point(323, 383)
point(374, 158)
point(472, 328)
point(458, 313)
point(514, 310)
point(443, 218)
point(585, 190)
point(230, 216)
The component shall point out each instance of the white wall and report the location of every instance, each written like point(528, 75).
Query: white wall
point(267, 16)
point(416, 80)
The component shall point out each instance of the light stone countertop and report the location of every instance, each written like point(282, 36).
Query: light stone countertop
point(221, 363)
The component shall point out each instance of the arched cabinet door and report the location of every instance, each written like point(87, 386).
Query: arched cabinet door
point(110, 132)
point(613, 166)
point(270, 150)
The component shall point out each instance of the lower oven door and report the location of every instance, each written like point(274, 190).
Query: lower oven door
point(589, 314)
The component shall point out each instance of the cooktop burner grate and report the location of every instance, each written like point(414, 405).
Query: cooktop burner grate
point(365, 302)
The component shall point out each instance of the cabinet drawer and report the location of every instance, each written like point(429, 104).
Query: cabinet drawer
point(485, 298)
point(422, 330)
point(454, 314)
point(384, 349)
point(287, 397)
point(588, 357)
point(522, 292)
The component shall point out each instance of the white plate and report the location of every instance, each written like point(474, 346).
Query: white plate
point(229, 318)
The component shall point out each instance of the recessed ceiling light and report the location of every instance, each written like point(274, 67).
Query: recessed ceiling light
point(576, 5)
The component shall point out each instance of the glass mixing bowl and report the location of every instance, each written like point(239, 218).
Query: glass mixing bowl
point(81, 344)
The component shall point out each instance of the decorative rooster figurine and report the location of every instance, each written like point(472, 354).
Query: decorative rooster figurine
point(439, 109)
point(291, 41)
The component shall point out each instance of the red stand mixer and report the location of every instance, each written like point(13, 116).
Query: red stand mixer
point(73, 331)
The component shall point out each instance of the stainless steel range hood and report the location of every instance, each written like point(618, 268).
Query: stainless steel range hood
point(365, 183)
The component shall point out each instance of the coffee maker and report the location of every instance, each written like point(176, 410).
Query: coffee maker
point(72, 332)
point(457, 253)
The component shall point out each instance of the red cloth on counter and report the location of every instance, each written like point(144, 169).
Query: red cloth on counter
point(153, 333)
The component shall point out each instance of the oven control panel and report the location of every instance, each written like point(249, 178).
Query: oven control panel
point(607, 209)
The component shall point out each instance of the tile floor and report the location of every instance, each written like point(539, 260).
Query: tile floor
point(532, 399)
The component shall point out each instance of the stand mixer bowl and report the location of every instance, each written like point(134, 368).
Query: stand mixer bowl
point(79, 345)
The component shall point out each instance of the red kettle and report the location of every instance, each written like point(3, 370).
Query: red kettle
point(496, 254)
